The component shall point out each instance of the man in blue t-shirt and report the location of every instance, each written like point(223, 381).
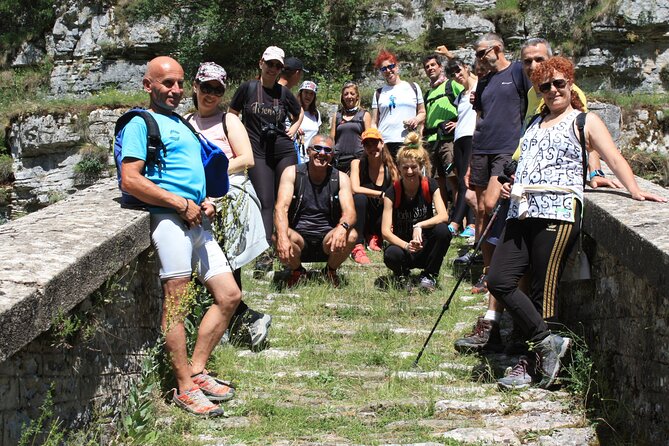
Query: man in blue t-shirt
point(174, 189)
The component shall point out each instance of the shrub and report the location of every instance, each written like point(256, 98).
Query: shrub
point(93, 161)
point(6, 169)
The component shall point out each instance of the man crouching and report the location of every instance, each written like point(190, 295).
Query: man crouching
point(314, 214)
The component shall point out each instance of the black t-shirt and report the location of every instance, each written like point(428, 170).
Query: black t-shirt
point(261, 107)
point(411, 211)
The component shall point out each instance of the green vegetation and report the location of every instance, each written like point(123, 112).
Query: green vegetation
point(21, 21)
point(652, 166)
point(46, 430)
point(94, 160)
point(630, 101)
point(6, 169)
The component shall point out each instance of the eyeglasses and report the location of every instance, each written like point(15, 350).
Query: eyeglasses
point(480, 53)
point(274, 64)
point(453, 71)
point(324, 149)
point(210, 89)
point(557, 83)
point(388, 67)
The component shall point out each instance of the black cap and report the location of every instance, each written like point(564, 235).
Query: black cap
point(293, 64)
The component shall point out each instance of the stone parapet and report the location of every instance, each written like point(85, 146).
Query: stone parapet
point(54, 258)
point(623, 311)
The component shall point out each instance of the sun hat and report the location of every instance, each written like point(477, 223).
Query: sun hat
point(273, 53)
point(309, 85)
point(372, 133)
point(210, 71)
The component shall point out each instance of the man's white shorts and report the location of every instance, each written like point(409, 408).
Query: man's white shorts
point(182, 250)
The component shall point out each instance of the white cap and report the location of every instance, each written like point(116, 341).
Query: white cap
point(273, 53)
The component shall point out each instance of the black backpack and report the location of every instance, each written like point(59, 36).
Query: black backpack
point(301, 177)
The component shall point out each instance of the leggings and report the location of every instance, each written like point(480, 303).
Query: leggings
point(265, 176)
point(540, 246)
point(462, 153)
point(369, 212)
point(435, 244)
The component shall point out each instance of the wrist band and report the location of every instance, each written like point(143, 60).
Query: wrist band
point(596, 173)
point(186, 209)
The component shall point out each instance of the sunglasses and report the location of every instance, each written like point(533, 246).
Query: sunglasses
point(480, 53)
point(274, 64)
point(388, 67)
point(322, 149)
point(210, 89)
point(453, 71)
point(557, 83)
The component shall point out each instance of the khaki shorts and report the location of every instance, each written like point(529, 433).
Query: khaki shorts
point(442, 159)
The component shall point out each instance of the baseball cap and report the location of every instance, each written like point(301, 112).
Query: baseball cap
point(273, 53)
point(309, 85)
point(294, 64)
point(372, 133)
point(210, 71)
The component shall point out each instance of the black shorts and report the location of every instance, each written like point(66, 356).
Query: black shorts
point(484, 166)
point(313, 248)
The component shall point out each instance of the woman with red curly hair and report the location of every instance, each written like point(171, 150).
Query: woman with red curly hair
point(397, 107)
point(544, 217)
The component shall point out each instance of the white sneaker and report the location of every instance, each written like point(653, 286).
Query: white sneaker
point(259, 330)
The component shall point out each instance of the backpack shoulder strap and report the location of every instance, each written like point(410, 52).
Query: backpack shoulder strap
point(335, 208)
point(298, 191)
point(414, 87)
point(378, 95)
point(397, 185)
point(580, 124)
point(425, 186)
point(154, 143)
point(517, 74)
point(448, 89)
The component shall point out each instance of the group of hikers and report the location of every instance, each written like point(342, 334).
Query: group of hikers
point(377, 181)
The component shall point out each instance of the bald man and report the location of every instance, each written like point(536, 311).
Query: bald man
point(175, 192)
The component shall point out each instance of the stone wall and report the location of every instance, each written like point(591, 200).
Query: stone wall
point(623, 311)
point(84, 255)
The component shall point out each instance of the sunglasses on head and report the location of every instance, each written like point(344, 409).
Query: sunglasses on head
point(274, 64)
point(480, 53)
point(453, 71)
point(210, 89)
point(388, 67)
point(324, 149)
point(557, 83)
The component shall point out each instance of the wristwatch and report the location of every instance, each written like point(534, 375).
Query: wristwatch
point(345, 225)
point(596, 173)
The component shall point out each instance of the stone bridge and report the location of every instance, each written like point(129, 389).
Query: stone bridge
point(86, 252)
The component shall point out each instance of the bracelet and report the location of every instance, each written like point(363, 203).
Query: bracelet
point(186, 209)
point(417, 226)
point(383, 194)
point(406, 248)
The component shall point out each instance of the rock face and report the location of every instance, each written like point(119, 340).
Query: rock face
point(92, 50)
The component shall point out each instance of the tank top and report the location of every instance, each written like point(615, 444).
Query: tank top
point(550, 157)
point(348, 142)
point(368, 182)
point(314, 214)
point(212, 129)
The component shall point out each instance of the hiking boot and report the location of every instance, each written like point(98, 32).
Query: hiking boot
point(250, 329)
point(484, 337)
point(195, 402)
point(296, 276)
point(469, 257)
point(519, 377)
point(481, 285)
point(213, 388)
point(550, 351)
point(374, 243)
point(359, 255)
point(427, 283)
point(330, 275)
point(264, 263)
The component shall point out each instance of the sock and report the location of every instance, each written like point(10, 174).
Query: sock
point(493, 315)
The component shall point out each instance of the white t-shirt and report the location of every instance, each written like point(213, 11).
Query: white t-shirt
point(466, 115)
point(397, 103)
point(310, 125)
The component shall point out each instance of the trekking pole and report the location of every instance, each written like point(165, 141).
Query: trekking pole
point(477, 248)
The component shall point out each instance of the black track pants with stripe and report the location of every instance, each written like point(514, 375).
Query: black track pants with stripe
point(539, 246)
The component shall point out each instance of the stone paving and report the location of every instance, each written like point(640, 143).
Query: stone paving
point(445, 398)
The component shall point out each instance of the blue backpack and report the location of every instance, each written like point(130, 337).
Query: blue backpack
point(215, 162)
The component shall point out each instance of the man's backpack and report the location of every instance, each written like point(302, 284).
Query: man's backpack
point(424, 187)
point(301, 179)
point(214, 161)
point(448, 92)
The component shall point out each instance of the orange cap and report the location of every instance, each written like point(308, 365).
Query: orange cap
point(372, 133)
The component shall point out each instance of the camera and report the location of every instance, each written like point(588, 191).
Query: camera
point(269, 132)
point(510, 168)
